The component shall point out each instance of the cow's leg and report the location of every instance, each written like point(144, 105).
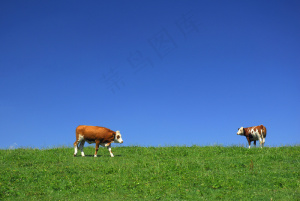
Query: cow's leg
point(249, 142)
point(254, 142)
point(81, 145)
point(75, 148)
point(96, 148)
point(107, 144)
point(109, 149)
point(263, 142)
point(260, 142)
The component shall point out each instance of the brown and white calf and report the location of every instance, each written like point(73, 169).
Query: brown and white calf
point(95, 134)
point(254, 133)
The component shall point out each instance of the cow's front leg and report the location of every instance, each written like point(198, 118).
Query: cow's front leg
point(254, 142)
point(249, 142)
point(109, 149)
point(107, 144)
point(96, 148)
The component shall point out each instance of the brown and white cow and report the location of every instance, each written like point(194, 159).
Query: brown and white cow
point(95, 134)
point(254, 133)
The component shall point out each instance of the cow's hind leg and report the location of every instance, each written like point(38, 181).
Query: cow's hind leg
point(254, 142)
point(78, 144)
point(261, 142)
point(96, 148)
point(81, 145)
point(75, 147)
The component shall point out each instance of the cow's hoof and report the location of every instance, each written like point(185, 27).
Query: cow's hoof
point(95, 156)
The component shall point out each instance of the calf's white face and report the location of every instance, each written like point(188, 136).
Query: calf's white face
point(118, 137)
point(240, 131)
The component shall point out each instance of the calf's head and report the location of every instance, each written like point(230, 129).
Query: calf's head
point(240, 131)
point(118, 137)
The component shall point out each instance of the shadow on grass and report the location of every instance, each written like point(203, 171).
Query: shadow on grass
point(98, 156)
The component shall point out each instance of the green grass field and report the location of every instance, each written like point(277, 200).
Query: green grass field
point(153, 173)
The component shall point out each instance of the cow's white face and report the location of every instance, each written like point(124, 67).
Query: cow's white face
point(240, 131)
point(118, 137)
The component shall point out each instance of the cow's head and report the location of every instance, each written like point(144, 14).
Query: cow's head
point(240, 131)
point(118, 137)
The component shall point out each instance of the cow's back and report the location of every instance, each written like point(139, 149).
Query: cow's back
point(95, 132)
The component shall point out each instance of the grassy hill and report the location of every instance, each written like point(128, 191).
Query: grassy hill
point(154, 173)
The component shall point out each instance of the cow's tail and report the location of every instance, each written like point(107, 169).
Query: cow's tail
point(76, 141)
point(264, 131)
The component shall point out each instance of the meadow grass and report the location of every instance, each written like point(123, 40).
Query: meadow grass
point(152, 173)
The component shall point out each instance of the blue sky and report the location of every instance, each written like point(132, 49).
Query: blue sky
point(161, 72)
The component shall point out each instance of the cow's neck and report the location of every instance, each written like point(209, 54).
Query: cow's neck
point(244, 130)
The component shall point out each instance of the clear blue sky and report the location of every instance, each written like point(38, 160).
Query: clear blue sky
point(161, 72)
